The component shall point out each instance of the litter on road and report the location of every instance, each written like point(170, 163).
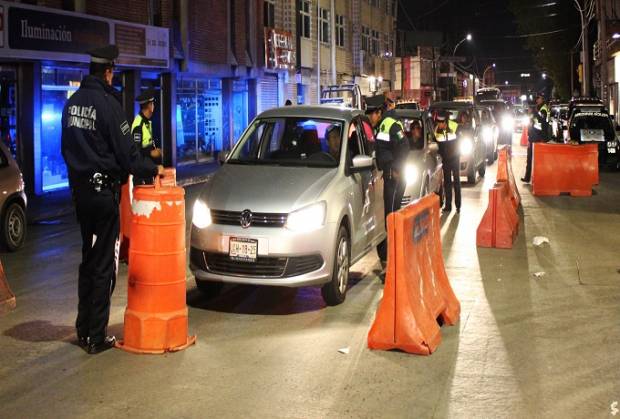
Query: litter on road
point(540, 240)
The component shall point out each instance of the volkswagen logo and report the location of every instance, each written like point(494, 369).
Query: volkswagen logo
point(245, 219)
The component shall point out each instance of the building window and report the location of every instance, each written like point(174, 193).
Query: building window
point(306, 18)
point(340, 30)
point(365, 38)
point(270, 13)
point(374, 3)
point(388, 4)
point(154, 12)
point(374, 43)
point(324, 25)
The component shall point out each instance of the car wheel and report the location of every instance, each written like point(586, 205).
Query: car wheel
point(482, 170)
point(209, 289)
point(14, 227)
point(471, 173)
point(334, 292)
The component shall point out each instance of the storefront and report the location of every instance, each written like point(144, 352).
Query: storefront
point(42, 62)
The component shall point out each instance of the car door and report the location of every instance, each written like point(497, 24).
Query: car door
point(361, 193)
point(433, 159)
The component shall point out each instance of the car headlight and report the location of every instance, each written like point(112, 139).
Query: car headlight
point(487, 134)
point(202, 215)
point(508, 123)
point(307, 219)
point(525, 121)
point(466, 146)
point(411, 174)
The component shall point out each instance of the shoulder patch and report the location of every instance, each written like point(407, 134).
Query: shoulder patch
point(125, 128)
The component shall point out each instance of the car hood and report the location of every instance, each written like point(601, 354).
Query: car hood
point(274, 189)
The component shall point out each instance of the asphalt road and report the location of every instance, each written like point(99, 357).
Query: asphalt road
point(524, 347)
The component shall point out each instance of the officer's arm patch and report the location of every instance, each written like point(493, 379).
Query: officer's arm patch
point(400, 134)
point(125, 128)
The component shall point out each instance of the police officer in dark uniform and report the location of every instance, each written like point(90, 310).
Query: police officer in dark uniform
point(99, 153)
point(142, 132)
point(392, 149)
point(447, 134)
point(538, 132)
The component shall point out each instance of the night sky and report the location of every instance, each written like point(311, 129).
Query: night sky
point(494, 29)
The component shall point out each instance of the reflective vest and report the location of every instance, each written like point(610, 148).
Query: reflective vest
point(449, 134)
point(145, 135)
point(537, 123)
point(386, 126)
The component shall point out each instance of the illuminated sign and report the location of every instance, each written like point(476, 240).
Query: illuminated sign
point(279, 50)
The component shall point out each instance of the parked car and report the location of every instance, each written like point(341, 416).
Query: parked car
point(346, 95)
point(424, 169)
point(596, 127)
point(297, 201)
point(407, 104)
point(487, 93)
point(13, 202)
point(559, 120)
point(473, 150)
point(490, 132)
point(504, 118)
point(585, 104)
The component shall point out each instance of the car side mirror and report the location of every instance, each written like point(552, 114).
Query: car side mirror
point(361, 163)
point(222, 156)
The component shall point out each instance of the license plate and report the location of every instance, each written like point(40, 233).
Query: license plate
point(242, 249)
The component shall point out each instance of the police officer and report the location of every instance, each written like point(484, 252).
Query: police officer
point(142, 132)
point(392, 149)
point(538, 132)
point(99, 152)
point(446, 134)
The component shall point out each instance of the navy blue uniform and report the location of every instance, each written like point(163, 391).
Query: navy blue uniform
point(99, 153)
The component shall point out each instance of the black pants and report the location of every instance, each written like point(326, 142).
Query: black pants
point(452, 179)
point(393, 191)
point(98, 215)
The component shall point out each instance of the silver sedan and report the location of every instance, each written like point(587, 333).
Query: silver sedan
point(297, 201)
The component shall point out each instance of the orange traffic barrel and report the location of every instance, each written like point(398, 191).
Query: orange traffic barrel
point(7, 298)
point(156, 318)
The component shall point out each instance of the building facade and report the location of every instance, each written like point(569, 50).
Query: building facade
point(606, 75)
point(215, 63)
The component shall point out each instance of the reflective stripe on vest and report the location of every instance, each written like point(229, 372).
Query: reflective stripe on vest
point(451, 135)
point(386, 126)
point(537, 124)
point(147, 136)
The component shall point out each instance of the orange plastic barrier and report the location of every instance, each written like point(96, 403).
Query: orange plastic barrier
point(417, 290)
point(505, 174)
point(156, 314)
point(500, 222)
point(7, 298)
point(563, 168)
point(524, 140)
point(125, 218)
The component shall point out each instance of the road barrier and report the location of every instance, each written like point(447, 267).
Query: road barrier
point(505, 174)
point(169, 179)
point(563, 168)
point(417, 291)
point(156, 315)
point(7, 298)
point(500, 223)
point(524, 139)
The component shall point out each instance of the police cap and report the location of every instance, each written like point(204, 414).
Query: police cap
point(104, 55)
point(146, 97)
point(540, 94)
point(374, 103)
point(441, 116)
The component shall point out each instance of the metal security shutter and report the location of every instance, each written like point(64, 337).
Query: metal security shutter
point(268, 93)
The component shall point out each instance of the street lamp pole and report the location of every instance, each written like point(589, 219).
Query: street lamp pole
point(485, 71)
point(467, 38)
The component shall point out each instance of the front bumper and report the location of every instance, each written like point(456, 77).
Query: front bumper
point(285, 258)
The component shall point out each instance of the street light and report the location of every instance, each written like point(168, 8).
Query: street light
point(467, 38)
point(544, 75)
point(616, 35)
point(487, 69)
point(506, 82)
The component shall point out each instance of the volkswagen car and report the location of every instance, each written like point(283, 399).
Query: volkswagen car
point(297, 201)
point(596, 128)
point(13, 202)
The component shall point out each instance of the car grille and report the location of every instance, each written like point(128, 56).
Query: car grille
point(264, 267)
point(259, 219)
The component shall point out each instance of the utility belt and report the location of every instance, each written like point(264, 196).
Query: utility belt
point(98, 182)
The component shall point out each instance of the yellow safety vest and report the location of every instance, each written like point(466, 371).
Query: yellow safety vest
point(449, 135)
point(147, 131)
point(386, 125)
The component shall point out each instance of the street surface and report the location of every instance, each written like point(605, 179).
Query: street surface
point(524, 348)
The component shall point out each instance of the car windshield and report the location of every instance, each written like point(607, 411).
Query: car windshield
point(591, 122)
point(289, 141)
point(414, 130)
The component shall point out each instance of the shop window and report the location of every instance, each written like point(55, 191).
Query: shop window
point(269, 13)
point(239, 108)
point(365, 38)
point(199, 119)
point(58, 84)
point(340, 28)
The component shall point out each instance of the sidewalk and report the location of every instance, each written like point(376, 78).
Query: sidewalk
point(43, 208)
